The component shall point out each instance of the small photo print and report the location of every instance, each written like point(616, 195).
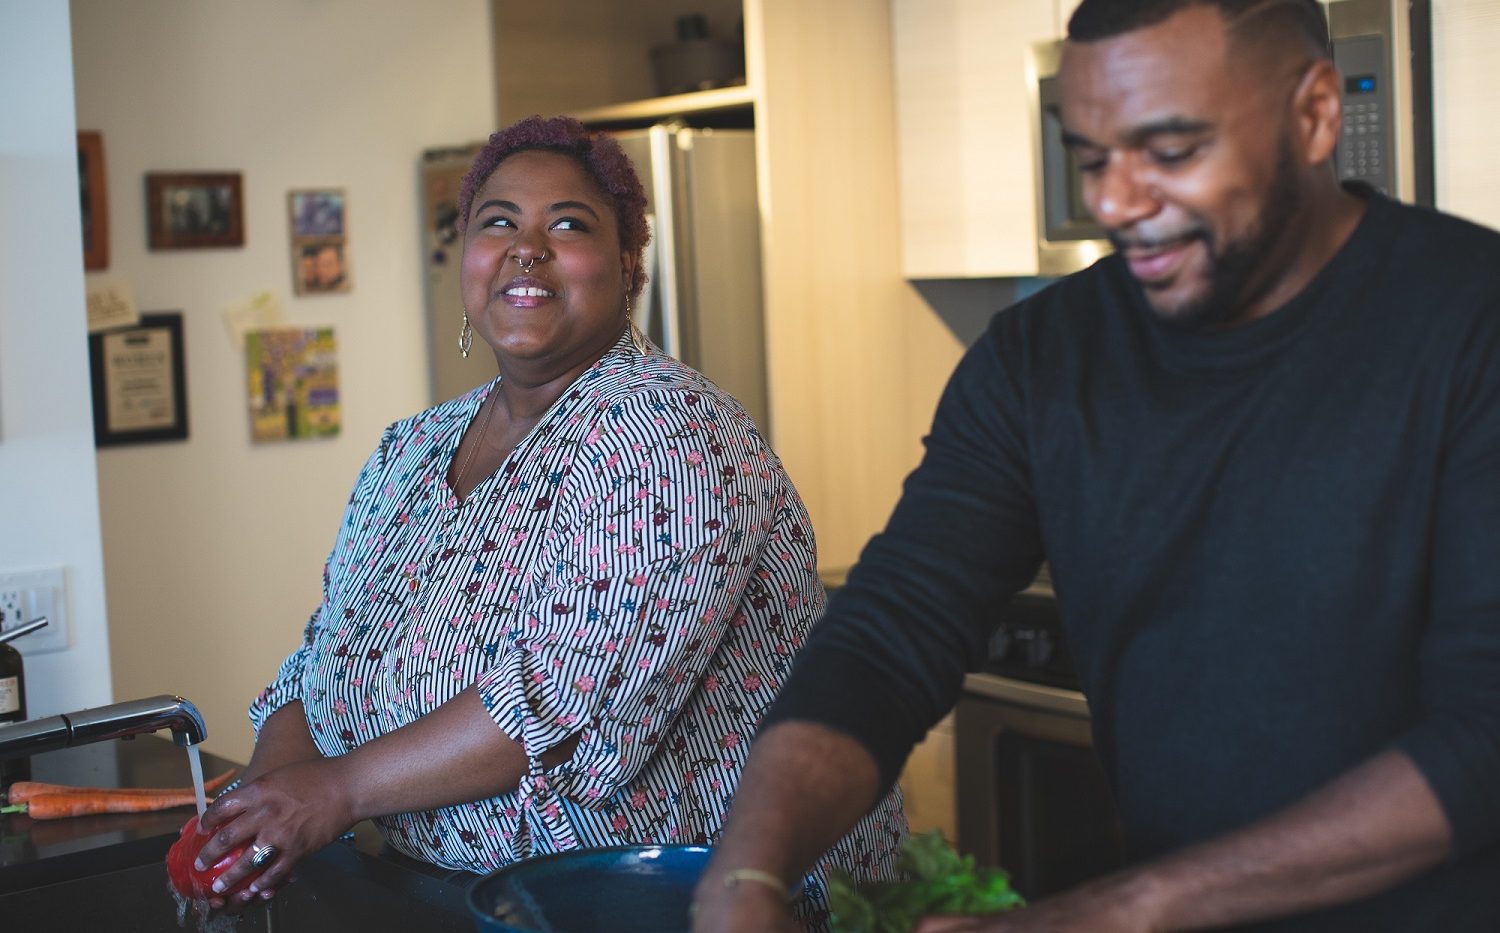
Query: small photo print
point(320, 267)
point(197, 210)
point(293, 381)
point(317, 213)
point(319, 241)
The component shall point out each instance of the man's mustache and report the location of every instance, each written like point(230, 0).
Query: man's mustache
point(1150, 241)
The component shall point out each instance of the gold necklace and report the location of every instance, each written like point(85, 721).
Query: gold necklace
point(458, 481)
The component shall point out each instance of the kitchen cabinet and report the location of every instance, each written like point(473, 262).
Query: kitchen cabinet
point(964, 134)
point(1465, 69)
point(1064, 9)
point(571, 55)
point(854, 360)
point(929, 785)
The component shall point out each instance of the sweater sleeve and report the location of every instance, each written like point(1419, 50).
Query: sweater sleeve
point(887, 660)
point(1457, 744)
point(676, 502)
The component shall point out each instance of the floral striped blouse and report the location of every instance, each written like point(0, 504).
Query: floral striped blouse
point(639, 571)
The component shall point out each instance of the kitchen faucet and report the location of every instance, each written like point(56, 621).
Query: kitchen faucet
point(101, 723)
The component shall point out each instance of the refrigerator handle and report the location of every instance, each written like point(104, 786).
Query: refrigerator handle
point(661, 138)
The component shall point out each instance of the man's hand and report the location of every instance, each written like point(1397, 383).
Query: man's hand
point(742, 909)
point(1114, 904)
point(803, 787)
point(1367, 830)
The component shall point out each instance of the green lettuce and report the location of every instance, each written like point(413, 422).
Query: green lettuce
point(938, 881)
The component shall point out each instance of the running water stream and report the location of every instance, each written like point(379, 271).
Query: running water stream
point(196, 763)
point(207, 921)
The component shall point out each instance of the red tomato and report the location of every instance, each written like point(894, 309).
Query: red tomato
point(189, 881)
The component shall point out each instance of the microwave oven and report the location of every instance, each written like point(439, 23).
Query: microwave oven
point(1383, 49)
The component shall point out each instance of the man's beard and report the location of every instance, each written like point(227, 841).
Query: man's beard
point(1233, 273)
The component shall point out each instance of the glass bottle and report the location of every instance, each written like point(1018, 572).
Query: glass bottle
point(12, 709)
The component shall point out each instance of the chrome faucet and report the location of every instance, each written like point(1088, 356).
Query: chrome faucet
point(116, 721)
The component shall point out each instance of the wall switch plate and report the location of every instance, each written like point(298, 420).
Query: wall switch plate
point(31, 594)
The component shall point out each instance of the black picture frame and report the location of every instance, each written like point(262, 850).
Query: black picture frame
point(139, 379)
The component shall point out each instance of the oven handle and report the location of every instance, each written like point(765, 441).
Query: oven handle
point(1039, 696)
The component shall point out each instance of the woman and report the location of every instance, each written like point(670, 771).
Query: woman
point(557, 605)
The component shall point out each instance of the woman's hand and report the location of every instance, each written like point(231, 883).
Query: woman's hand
point(298, 808)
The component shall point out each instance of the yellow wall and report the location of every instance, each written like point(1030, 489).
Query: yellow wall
point(213, 547)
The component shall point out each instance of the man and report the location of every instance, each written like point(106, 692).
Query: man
point(1259, 447)
point(328, 268)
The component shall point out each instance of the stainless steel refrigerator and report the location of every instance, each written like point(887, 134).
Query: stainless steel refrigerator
point(702, 302)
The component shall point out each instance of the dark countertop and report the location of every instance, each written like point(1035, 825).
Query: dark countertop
point(32, 851)
point(147, 761)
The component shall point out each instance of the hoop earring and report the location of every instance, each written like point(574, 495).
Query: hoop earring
point(637, 339)
point(465, 336)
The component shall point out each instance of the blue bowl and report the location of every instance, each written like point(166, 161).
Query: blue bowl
point(624, 889)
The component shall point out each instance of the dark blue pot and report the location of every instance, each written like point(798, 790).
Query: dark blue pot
point(626, 889)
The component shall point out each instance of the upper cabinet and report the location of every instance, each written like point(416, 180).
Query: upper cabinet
point(1465, 35)
point(963, 117)
point(576, 56)
point(1064, 9)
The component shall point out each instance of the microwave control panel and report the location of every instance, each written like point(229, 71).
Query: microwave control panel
point(1365, 151)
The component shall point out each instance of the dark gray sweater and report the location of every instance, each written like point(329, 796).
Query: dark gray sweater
point(1275, 548)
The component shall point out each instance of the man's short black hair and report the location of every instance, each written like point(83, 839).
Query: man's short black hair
point(1104, 19)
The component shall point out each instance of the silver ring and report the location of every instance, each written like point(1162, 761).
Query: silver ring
point(526, 266)
point(261, 855)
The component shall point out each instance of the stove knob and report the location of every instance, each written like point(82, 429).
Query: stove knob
point(1039, 652)
point(1000, 644)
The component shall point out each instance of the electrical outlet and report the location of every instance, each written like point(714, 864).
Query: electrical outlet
point(31, 594)
point(12, 608)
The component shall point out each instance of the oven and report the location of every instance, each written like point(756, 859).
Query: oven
point(1032, 795)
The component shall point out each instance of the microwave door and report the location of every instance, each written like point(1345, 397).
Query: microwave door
point(1068, 239)
point(1066, 215)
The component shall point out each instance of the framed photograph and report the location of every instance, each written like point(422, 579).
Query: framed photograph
point(194, 210)
point(93, 200)
point(139, 382)
point(316, 213)
point(319, 266)
point(319, 241)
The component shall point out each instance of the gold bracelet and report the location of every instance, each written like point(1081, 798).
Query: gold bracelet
point(733, 878)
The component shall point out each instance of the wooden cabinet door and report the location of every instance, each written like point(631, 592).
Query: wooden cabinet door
point(1065, 10)
point(968, 192)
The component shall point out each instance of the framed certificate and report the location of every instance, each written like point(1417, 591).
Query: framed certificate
point(139, 381)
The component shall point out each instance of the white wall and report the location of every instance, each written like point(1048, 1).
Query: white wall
point(49, 501)
point(213, 547)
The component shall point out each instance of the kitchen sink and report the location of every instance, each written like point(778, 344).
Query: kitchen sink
point(337, 889)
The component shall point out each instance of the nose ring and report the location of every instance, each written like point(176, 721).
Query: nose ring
point(526, 266)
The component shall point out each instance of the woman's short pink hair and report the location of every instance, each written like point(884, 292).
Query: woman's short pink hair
point(598, 154)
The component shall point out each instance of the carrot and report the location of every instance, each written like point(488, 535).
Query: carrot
point(57, 806)
point(23, 791)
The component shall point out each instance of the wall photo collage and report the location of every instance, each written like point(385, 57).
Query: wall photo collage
point(138, 360)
